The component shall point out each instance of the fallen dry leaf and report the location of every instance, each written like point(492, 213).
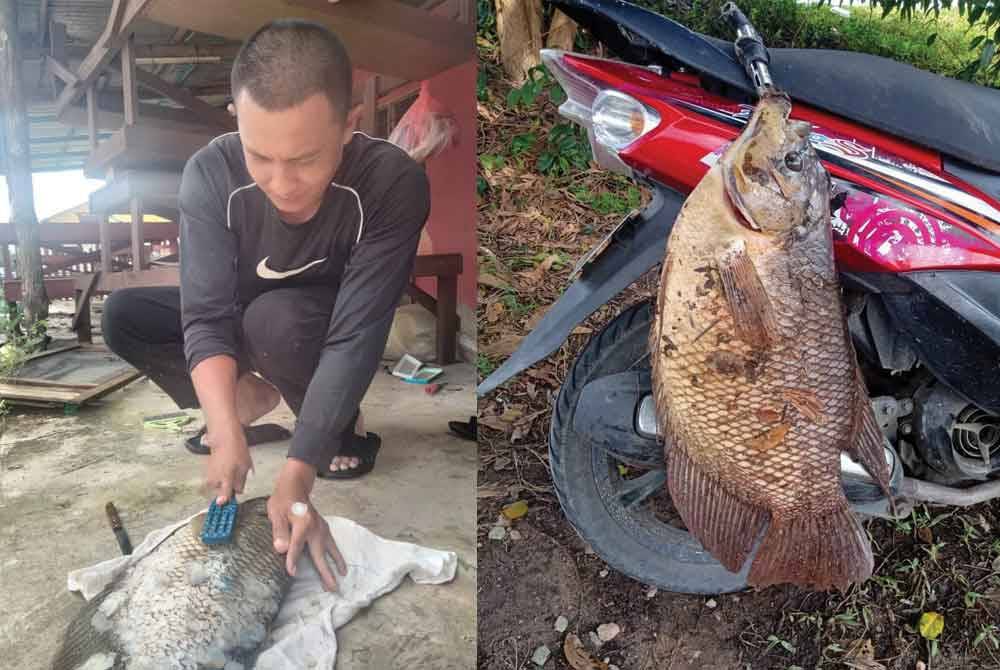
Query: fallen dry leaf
point(534, 276)
point(931, 625)
point(925, 534)
point(486, 279)
point(493, 423)
point(578, 657)
point(494, 311)
point(504, 346)
point(489, 492)
point(515, 510)
point(861, 656)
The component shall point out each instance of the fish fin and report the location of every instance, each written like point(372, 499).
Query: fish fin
point(816, 550)
point(747, 298)
point(724, 524)
point(868, 445)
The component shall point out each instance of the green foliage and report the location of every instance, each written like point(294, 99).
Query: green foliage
point(19, 342)
point(955, 42)
point(539, 81)
point(522, 143)
point(484, 366)
point(620, 201)
point(567, 149)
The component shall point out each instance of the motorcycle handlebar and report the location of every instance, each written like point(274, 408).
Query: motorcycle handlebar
point(750, 48)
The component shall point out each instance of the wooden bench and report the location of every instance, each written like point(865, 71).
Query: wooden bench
point(444, 267)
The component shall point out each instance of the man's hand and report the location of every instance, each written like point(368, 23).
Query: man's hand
point(296, 523)
point(228, 462)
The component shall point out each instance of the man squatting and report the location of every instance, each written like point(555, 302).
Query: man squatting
point(297, 239)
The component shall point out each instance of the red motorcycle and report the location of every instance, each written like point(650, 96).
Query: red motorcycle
point(914, 160)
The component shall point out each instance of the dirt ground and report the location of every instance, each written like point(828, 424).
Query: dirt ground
point(535, 222)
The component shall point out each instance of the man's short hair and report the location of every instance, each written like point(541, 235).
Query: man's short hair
point(288, 60)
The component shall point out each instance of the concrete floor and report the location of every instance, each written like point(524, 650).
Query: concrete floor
point(57, 472)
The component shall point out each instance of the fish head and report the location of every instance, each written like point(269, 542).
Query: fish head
point(772, 175)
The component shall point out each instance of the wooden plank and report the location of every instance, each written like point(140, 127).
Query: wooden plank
point(212, 116)
point(130, 89)
point(155, 186)
point(382, 36)
point(55, 287)
point(138, 249)
point(15, 392)
point(46, 383)
point(144, 148)
point(103, 50)
point(51, 352)
point(80, 233)
point(162, 276)
point(108, 386)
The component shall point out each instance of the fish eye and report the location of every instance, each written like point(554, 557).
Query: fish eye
point(793, 161)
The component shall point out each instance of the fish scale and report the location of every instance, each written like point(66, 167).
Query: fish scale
point(754, 375)
point(164, 621)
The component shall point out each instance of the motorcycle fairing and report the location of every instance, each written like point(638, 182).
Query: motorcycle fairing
point(951, 116)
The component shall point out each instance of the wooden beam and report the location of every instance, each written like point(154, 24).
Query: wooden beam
point(92, 113)
point(89, 233)
point(369, 106)
point(401, 92)
point(212, 116)
point(138, 250)
point(420, 43)
point(103, 51)
point(43, 22)
point(111, 116)
point(104, 232)
point(114, 23)
point(59, 70)
point(130, 88)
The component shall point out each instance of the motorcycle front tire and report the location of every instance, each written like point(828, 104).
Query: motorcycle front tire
point(632, 542)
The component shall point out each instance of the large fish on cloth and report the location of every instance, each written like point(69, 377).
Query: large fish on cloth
point(185, 605)
point(756, 383)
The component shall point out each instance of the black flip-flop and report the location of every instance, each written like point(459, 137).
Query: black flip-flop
point(265, 432)
point(364, 448)
point(465, 429)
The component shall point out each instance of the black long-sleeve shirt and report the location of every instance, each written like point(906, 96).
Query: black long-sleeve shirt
point(361, 243)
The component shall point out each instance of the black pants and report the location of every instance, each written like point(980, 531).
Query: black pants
point(281, 338)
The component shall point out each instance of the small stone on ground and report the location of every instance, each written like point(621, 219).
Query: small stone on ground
point(541, 656)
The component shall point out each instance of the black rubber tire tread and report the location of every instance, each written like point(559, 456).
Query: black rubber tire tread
point(679, 564)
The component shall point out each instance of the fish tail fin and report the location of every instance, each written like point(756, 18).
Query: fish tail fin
point(814, 550)
point(726, 525)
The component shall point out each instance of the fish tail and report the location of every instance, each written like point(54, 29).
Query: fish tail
point(726, 525)
point(817, 550)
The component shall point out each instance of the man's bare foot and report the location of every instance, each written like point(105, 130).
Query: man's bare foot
point(342, 463)
point(255, 397)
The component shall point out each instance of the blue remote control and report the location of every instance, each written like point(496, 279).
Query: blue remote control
point(219, 522)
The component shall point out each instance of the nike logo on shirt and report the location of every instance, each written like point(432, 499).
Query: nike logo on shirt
point(265, 272)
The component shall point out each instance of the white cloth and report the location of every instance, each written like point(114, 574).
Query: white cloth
point(303, 632)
